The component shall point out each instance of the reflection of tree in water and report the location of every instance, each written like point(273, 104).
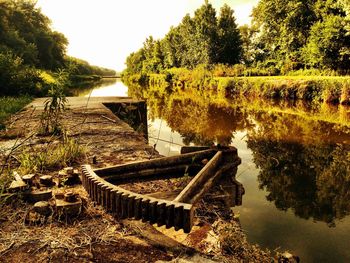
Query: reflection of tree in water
point(304, 165)
point(313, 179)
point(85, 88)
point(202, 124)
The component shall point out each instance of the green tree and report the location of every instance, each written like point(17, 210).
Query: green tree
point(329, 43)
point(202, 39)
point(283, 28)
point(206, 38)
point(229, 46)
point(26, 32)
point(310, 33)
point(187, 49)
point(16, 77)
point(134, 62)
point(172, 45)
point(153, 55)
point(249, 49)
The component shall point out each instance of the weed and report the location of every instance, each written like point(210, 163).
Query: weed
point(54, 107)
point(51, 156)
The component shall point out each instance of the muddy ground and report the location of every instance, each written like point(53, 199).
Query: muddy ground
point(94, 235)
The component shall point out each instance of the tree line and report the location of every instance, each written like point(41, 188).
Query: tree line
point(28, 46)
point(285, 35)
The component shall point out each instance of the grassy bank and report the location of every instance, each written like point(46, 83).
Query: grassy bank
point(11, 105)
point(311, 88)
point(330, 89)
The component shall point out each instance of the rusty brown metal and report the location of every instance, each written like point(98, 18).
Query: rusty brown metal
point(178, 213)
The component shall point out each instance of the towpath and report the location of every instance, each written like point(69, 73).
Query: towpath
point(107, 139)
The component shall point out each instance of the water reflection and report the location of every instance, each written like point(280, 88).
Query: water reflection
point(312, 180)
point(303, 161)
point(103, 88)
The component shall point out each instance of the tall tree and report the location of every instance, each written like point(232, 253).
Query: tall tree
point(229, 47)
point(206, 35)
point(284, 27)
point(199, 40)
point(329, 43)
point(26, 32)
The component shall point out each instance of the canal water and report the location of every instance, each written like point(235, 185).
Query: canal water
point(295, 164)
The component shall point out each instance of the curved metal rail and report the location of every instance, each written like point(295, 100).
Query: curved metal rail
point(126, 204)
point(178, 213)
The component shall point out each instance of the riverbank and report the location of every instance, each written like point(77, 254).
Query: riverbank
point(329, 89)
point(94, 235)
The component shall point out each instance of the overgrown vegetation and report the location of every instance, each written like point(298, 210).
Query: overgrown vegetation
point(51, 156)
point(202, 39)
point(284, 36)
point(299, 34)
point(54, 106)
point(11, 105)
point(330, 89)
point(29, 48)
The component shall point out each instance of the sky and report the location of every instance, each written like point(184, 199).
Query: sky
point(105, 32)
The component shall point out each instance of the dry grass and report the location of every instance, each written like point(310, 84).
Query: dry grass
point(92, 226)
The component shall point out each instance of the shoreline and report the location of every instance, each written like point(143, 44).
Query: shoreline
point(329, 89)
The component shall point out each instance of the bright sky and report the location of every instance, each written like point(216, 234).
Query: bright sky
point(105, 32)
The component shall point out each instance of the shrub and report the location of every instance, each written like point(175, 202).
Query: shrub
point(51, 156)
point(10, 105)
point(17, 78)
point(54, 106)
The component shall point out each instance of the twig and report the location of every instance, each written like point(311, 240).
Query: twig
point(40, 248)
point(109, 119)
point(13, 149)
point(4, 251)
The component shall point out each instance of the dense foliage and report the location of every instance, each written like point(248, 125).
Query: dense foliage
point(302, 34)
point(25, 32)
point(202, 39)
point(284, 36)
point(29, 48)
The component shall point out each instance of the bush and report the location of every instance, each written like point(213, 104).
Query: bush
point(17, 78)
point(10, 105)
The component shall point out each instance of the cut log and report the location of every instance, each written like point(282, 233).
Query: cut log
point(38, 195)
point(69, 209)
point(29, 179)
point(17, 186)
point(46, 180)
point(43, 208)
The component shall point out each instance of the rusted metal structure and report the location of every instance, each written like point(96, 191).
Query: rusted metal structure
point(211, 164)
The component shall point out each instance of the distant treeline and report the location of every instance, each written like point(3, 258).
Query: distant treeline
point(284, 36)
point(30, 51)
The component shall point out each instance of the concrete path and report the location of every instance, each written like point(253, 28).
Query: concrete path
point(107, 139)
